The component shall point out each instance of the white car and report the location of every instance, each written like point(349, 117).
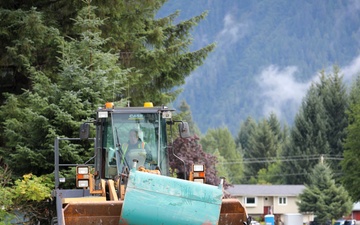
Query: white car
point(253, 222)
point(350, 222)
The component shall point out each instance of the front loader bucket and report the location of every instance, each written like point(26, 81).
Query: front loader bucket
point(154, 199)
point(107, 213)
point(232, 212)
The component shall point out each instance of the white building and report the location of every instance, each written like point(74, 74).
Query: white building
point(261, 200)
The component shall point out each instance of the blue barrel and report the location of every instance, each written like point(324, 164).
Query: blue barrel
point(269, 220)
point(154, 199)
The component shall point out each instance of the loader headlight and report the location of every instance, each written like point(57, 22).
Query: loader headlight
point(82, 176)
point(82, 183)
point(103, 114)
point(82, 170)
point(198, 168)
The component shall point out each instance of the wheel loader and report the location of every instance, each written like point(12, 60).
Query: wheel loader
point(118, 185)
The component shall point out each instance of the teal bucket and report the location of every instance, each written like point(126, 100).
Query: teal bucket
point(154, 199)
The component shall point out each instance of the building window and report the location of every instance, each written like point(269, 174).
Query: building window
point(250, 201)
point(282, 200)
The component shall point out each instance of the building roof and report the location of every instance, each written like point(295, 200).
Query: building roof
point(265, 190)
point(356, 206)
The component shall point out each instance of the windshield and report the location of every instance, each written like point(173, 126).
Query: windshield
point(129, 136)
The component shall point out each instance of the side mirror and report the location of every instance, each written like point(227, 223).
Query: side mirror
point(184, 130)
point(84, 131)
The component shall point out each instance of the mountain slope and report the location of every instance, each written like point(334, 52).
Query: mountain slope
point(267, 54)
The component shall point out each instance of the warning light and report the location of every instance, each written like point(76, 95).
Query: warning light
point(148, 104)
point(109, 105)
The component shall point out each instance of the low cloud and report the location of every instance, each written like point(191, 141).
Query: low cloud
point(281, 90)
point(283, 94)
point(351, 70)
point(232, 31)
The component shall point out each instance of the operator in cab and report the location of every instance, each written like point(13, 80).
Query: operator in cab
point(135, 142)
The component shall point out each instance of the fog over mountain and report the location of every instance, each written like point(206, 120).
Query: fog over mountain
point(268, 53)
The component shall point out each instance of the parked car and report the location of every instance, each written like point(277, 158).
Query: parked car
point(339, 222)
point(253, 222)
point(350, 222)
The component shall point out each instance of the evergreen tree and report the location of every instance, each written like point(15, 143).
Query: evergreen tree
point(281, 132)
point(185, 114)
point(156, 51)
point(335, 100)
point(58, 103)
point(76, 65)
point(221, 165)
point(319, 126)
point(221, 140)
point(263, 148)
point(323, 197)
point(261, 167)
point(247, 128)
point(26, 40)
point(354, 95)
point(307, 139)
point(350, 164)
point(271, 174)
point(275, 127)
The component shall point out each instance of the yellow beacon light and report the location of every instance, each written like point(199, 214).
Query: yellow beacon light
point(148, 104)
point(109, 105)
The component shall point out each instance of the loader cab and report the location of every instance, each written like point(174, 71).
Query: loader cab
point(113, 126)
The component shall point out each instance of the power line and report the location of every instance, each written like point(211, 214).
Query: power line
point(282, 159)
point(282, 175)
